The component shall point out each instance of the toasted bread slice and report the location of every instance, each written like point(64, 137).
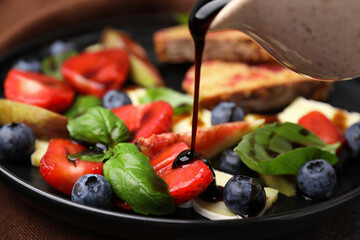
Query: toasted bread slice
point(256, 88)
point(175, 45)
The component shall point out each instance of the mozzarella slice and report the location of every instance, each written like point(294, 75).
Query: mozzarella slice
point(135, 94)
point(41, 147)
point(218, 210)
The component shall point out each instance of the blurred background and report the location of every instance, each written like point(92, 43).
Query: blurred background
point(22, 20)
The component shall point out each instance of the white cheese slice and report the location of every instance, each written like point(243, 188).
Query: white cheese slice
point(41, 147)
point(135, 94)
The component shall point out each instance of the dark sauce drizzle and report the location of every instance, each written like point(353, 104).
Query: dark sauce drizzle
point(201, 16)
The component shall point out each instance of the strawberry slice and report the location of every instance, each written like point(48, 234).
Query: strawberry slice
point(185, 182)
point(142, 71)
point(164, 159)
point(62, 173)
point(131, 115)
point(96, 72)
point(38, 90)
point(147, 119)
point(188, 181)
point(320, 125)
point(157, 119)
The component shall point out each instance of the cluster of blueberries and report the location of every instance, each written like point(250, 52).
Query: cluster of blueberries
point(17, 143)
point(316, 179)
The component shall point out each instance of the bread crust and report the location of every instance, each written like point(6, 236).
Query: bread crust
point(256, 88)
point(175, 45)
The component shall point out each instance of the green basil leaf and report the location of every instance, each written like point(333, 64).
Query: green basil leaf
point(81, 105)
point(179, 101)
point(134, 180)
point(98, 125)
point(50, 65)
point(276, 149)
point(90, 156)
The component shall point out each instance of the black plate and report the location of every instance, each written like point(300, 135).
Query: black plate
point(286, 216)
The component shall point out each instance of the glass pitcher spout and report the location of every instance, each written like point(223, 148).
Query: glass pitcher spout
point(316, 38)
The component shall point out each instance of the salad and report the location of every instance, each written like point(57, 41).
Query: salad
point(105, 130)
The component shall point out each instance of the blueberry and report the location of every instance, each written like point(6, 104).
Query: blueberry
point(316, 179)
point(244, 196)
point(32, 65)
point(226, 112)
point(17, 142)
point(114, 99)
point(92, 190)
point(231, 163)
point(352, 136)
point(60, 47)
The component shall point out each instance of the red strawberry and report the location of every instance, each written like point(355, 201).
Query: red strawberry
point(164, 159)
point(185, 182)
point(209, 140)
point(131, 115)
point(188, 181)
point(38, 90)
point(96, 72)
point(142, 71)
point(319, 124)
point(62, 173)
point(157, 119)
point(146, 120)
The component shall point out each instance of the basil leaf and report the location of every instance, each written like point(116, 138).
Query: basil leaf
point(276, 149)
point(90, 156)
point(134, 180)
point(51, 65)
point(99, 125)
point(81, 105)
point(179, 101)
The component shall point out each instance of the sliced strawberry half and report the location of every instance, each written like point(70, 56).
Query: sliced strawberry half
point(185, 182)
point(164, 159)
point(323, 127)
point(62, 173)
point(131, 115)
point(147, 119)
point(188, 181)
point(209, 140)
point(38, 90)
point(142, 71)
point(157, 119)
point(95, 73)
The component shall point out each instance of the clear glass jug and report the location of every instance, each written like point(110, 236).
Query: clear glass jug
point(317, 38)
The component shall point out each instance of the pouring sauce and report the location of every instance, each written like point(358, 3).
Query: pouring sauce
point(308, 37)
point(200, 19)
